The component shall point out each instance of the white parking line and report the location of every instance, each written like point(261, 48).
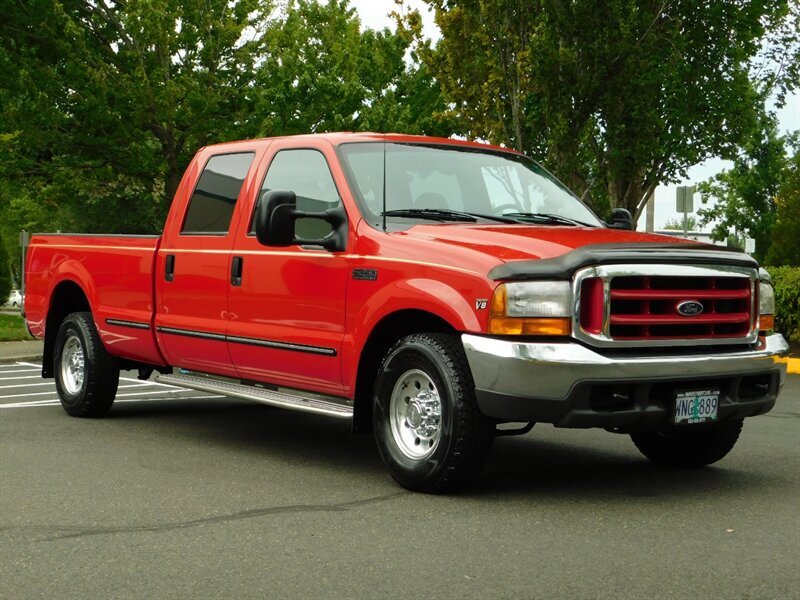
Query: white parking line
point(23, 377)
point(24, 395)
point(128, 379)
point(148, 382)
point(20, 371)
point(37, 403)
point(175, 391)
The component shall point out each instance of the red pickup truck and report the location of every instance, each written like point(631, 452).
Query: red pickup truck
point(429, 290)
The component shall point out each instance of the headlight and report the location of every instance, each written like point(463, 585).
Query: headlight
point(766, 307)
point(531, 308)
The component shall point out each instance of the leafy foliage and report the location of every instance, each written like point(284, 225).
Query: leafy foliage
point(745, 195)
point(786, 281)
point(616, 96)
point(677, 224)
point(103, 104)
point(785, 247)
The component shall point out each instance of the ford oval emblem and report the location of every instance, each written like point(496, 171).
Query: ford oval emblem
point(689, 308)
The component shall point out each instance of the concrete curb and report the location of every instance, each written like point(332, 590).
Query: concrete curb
point(25, 350)
point(792, 364)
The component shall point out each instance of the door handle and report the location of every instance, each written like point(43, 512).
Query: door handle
point(236, 270)
point(169, 268)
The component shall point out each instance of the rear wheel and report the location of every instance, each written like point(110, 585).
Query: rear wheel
point(86, 375)
point(428, 428)
point(687, 447)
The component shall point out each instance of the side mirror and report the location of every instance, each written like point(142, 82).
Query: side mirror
point(274, 222)
point(276, 216)
point(621, 219)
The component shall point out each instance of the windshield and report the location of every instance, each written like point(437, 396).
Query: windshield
point(435, 182)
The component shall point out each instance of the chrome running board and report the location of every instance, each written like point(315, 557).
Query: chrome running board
point(311, 403)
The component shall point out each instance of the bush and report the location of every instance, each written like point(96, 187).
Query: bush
point(787, 301)
point(5, 273)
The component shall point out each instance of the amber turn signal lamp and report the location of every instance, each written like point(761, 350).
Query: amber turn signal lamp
point(500, 324)
point(766, 322)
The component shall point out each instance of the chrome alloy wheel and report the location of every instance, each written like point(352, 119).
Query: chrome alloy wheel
point(415, 414)
point(73, 365)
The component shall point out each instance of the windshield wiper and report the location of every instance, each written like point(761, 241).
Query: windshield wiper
point(441, 214)
point(545, 218)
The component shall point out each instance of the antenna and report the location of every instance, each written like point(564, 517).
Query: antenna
point(384, 184)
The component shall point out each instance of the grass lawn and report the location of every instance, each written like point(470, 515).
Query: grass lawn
point(12, 329)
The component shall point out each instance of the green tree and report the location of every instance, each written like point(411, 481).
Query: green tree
point(741, 201)
point(321, 72)
point(677, 224)
point(103, 103)
point(785, 247)
point(616, 96)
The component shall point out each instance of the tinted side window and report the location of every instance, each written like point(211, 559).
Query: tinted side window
point(211, 206)
point(306, 173)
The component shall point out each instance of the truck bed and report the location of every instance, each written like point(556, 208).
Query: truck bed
point(115, 271)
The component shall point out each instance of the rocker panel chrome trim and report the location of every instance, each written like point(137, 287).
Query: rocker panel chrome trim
point(282, 399)
point(249, 341)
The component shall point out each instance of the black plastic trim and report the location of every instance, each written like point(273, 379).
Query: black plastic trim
point(563, 267)
point(249, 341)
point(131, 324)
point(649, 405)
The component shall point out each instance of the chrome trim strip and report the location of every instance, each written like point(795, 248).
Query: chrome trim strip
point(282, 345)
point(131, 324)
point(549, 370)
point(249, 341)
point(193, 334)
point(608, 272)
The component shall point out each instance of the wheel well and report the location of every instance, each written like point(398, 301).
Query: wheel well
point(390, 329)
point(67, 298)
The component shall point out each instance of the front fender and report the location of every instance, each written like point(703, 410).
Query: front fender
point(453, 305)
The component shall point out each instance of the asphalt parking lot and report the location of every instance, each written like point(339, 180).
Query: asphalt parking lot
point(177, 495)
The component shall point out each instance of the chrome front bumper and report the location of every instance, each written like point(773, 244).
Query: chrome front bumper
point(572, 385)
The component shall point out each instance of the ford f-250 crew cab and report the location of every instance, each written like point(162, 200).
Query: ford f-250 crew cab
point(428, 290)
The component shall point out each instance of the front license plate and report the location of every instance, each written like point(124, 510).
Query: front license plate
point(696, 406)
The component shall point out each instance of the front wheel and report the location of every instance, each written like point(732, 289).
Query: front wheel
point(428, 428)
point(687, 447)
point(86, 375)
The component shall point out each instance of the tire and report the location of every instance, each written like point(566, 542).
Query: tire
point(433, 439)
point(86, 375)
point(686, 447)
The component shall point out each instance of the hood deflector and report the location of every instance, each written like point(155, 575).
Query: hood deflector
point(562, 267)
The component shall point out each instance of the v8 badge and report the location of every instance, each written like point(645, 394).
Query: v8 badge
point(481, 303)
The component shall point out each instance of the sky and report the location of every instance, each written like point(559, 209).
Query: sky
point(374, 14)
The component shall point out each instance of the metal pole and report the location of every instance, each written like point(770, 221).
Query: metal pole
point(685, 222)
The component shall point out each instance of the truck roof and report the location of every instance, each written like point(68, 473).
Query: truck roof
point(344, 137)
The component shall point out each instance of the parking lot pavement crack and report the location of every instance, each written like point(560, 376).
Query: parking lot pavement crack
point(78, 532)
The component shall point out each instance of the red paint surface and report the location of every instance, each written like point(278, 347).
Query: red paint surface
point(292, 295)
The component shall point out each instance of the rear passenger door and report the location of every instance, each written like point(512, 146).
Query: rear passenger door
point(288, 308)
point(193, 264)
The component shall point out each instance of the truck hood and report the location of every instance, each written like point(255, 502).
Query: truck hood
point(521, 242)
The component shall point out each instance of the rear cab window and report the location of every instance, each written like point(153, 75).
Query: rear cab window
point(214, 198)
